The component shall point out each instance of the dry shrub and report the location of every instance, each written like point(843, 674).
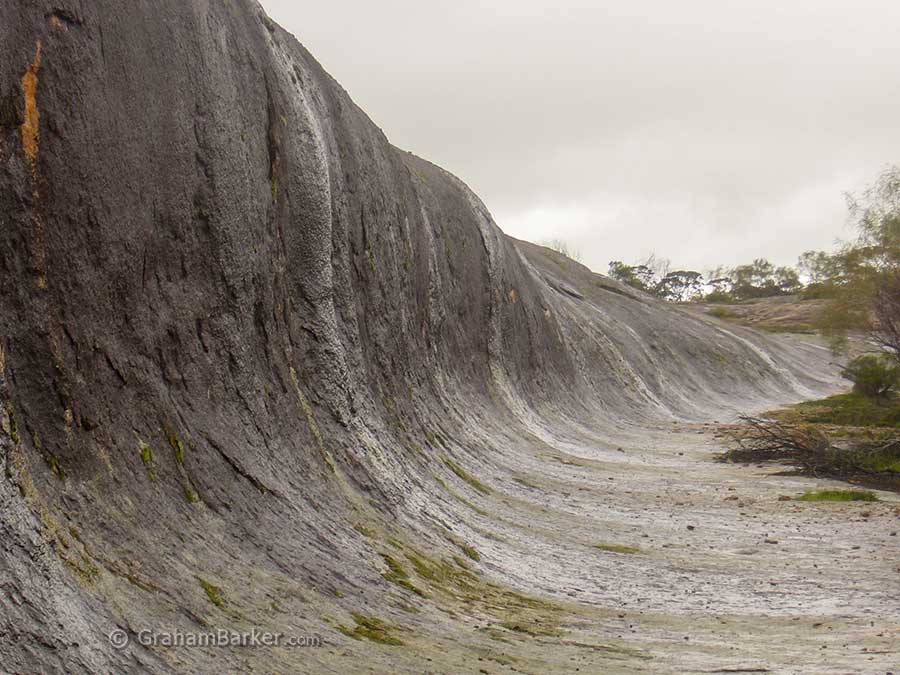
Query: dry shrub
point(809, 449)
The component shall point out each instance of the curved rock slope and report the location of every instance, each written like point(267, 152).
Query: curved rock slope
point(261, 368)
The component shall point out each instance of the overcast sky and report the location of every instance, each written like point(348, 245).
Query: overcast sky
point(707, 131)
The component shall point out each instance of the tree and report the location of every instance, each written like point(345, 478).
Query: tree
point(823, 273)
point(680, 286)
point(873, 375)
point(627, 274)
point(642, 277)
point(660, 267)
point(886, 311)
point(787, 280)
point(720, 285)
point(867, 287)
point(819, 267)
point(877, 217)
point(645, 275)
point(755, 280)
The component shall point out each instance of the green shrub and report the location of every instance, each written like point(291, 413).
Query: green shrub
point(852, 409)
point(722, 313)
point(718, 296)
point(872, 375)
point(823, 290)
point(838, 496)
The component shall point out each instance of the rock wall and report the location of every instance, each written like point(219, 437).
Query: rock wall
point(236, 322)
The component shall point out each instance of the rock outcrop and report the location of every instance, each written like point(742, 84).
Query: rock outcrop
point(244, 337)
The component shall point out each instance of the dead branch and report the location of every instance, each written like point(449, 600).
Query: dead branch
point(765, 440)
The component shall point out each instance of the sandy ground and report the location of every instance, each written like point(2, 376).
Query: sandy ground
point(728, 575)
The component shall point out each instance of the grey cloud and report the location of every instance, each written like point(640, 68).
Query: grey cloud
point(708, 131)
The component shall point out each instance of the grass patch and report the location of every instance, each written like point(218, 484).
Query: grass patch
point(532, 628)
point(457, 588)
point(84, 568)
point(606, 286)
point(190, 494)
point(398, 575)
point(178, 447)
point(455, 582)
point(13, 429)
point(838, 496)
point(799, 328)
point(372, 629)
point(722, 313)
point(436, 440)
point(149, 461)
point(853, 409)
point(458, 497)
point(56, 467)
point(618, 548)
point(364, 531)
point(467, 477)
point(883, 462)
point(471, 552)
point(442, 573)
point(214, 593)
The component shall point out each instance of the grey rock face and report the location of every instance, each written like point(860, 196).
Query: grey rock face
point(236, 322)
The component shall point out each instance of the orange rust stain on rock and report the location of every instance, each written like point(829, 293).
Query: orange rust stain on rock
point(31, 136)
point(31, 127)
point(57, 24)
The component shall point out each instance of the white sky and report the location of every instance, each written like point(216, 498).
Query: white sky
point(707, 131)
